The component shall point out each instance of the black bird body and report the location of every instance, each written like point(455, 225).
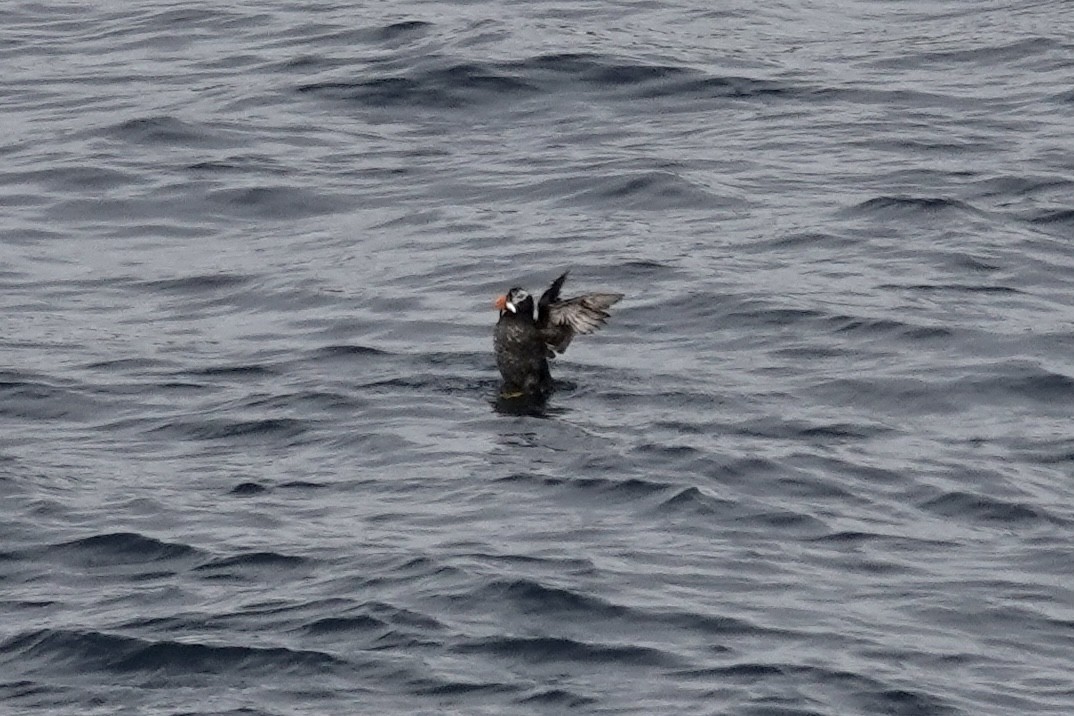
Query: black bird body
point(524, 343)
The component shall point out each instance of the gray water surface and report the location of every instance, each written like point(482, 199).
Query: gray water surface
point(819, 462)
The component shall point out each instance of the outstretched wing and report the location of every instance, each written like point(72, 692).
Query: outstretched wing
point(582, 314)
point(549, 297)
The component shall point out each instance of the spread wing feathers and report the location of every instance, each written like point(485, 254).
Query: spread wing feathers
point(582, 314)
point(550, 296)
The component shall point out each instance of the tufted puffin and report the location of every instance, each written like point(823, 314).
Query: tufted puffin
point(524, 343)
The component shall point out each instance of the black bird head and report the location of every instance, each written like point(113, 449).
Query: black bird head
point(516, 302)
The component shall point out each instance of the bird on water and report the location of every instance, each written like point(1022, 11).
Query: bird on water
point(524, 343)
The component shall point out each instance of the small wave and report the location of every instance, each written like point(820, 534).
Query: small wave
point(560, 649)
point(302, 485)
point(346, 351)
point(886, 326)
point(166, 129)
point(654, 190)
point(455, 87)
point(950, 288)
point(462, 85)
point(284, 430)
point(356, 623)
point(404, 28)
point(1052, 217)
point(243, 370)
point(128, 364)
point(533, 598)
point(962, 505)
point(886, 394)
point(557, 698)
point(278, 202)
point(256, 560)
point(694, 501)
point(92, 650)
point(894, 207)
point(1033, 383)
point(85, 178)
point(771, 316)
point(451, 687)
point(196, 285)
point(120, 548)
point(246, 489)
point(25, 396)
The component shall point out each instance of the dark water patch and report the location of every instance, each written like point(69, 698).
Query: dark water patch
point(243, 371)
point(712, 625)
point(447, 384)
point(86, 178)
point(816, 488)
point(167, 130)
point(604, 73)
point(692, 501)
point(779, 706)
point(904, 702)
point(471, 85)
point(673, 453)
point(256, 561)
point(538, 650)
point(125, 365)
point(119, 548)
point(906, 207)
point(633, 488)
point(1020, 185)
point(1030, 383)
point(403, 617)
point(247, 489)
point(765, 315)
point(530, 597)
point(284, 431)
point(724, 87)
point(808, 353)
point(397, 640)
point(857, 539)
point(405, 28)
point(360, 623)
point(446, 688)
point(28, 398)
point(80, 651)
point(801, 430)
point(991, 55)
point(557, 698)
point(750, 671)
point(891, 396)
point(1065, 97)
point(781, 521)
point(885, 327)
point(949, 288)
point(976, 507)
point(278, 202)
point(1052, 217)
point(596, 72)
point(345, 351)
point(651, 191)
point(197, 284)
point(681, 427)
point(802, 241)
point(301, 485)
point(457, 87)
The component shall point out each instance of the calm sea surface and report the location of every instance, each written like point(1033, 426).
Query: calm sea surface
point(820, 461)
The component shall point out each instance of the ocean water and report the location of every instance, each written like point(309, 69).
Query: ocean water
point(819, 462)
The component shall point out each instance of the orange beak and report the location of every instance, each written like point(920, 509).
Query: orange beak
point(501, 303)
